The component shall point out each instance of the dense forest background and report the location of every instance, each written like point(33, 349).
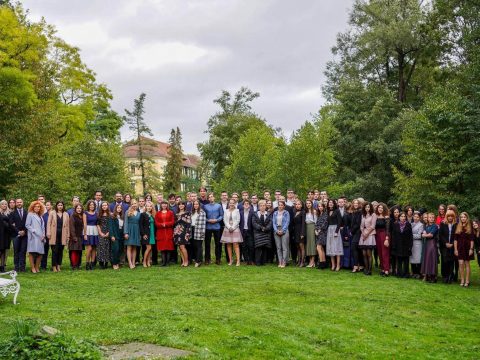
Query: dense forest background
point(400, 123)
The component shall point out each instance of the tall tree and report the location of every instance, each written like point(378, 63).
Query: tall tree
point(225, 128)
point(173, 170)
point(134, 118)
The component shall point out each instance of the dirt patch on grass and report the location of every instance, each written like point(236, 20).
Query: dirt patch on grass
point(142, 351)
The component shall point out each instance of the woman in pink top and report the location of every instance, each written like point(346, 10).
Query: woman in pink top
point(367, 238)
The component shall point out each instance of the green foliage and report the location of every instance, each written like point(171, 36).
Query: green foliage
point(226, 127)
point(28, 342)
point(59, 135)
point(256, 162)
point(308, 160)
point(173, 170)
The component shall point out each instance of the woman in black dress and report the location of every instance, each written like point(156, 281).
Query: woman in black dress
point(298, 223)
point(181, 231)
point(4, 233)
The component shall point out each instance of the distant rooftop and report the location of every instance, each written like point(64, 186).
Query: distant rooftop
point(155, 148)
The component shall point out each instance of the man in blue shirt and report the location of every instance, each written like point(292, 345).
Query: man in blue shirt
point(214, 214)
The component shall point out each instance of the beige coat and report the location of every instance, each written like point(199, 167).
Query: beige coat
point(52, 228)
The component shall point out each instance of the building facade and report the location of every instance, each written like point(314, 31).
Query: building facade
point(157, 151)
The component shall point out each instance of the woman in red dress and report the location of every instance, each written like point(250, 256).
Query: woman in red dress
point(164, 220)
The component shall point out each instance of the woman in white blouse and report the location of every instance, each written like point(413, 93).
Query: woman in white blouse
point(231, 233)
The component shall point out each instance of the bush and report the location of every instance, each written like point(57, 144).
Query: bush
point(28, 342)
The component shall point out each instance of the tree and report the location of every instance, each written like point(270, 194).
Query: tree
point(256, 162)
point(308, 159)
point(173, 170)
point(226, 127)
point(134, 118)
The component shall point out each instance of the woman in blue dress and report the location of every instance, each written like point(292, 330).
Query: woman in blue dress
point(90, 240)
point(131, 230)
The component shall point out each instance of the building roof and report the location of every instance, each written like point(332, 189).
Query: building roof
point(155, 148)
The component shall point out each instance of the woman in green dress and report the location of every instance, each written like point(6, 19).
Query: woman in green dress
point(131, 229)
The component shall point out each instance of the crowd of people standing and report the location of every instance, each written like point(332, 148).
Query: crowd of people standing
point(319, 232)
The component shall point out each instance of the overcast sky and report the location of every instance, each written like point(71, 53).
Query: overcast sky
point(182, 53)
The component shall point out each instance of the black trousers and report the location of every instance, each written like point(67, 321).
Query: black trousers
point(448, 267)
point(19, 253)
point(261, 255)
point(355, 253)
point(154, 255)
point(248, 246)
point(197, 250)
point(416, 269)
point(46, 248)
point(402, 265)
point(57, 254)
point(218, 246)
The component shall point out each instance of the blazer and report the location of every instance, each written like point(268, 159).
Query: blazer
point(19, 222)
point(52, 228)
point(235, 219)
point(355, 225)
point(249, 220)
point(144, 225)
point(402, 242)
point(445, 237)
point(200, 226)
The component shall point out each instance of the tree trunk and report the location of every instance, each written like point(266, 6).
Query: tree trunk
point(402, 88)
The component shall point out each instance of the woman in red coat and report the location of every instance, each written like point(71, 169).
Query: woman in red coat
point(164, 220)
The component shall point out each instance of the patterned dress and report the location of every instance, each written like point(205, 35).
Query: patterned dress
point(104, 248)
point(181, 229)
point(321, 228)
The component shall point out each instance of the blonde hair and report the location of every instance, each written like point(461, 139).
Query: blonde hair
point(7, 211)
point(449, 213)
point(130, 209)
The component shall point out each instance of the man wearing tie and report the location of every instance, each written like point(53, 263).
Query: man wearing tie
point(98, 200)
point(18, 218)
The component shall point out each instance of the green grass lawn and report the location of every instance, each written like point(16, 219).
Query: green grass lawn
point(256, 313)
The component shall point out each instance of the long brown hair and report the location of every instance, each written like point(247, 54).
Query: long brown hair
point(467, 227)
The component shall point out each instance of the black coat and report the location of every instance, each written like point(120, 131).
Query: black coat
point(298, 224)
point(402, 242)
point(5, 229)
point(355, 224)
point(18, 222)
point(144, 224)
point(443, 239)
point(262, 231)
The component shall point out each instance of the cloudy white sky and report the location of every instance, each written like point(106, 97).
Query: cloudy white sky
point(182, 53)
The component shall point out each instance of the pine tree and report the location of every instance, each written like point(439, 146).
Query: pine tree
point(138, 125)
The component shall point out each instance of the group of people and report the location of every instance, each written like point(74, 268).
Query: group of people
point(318, 232)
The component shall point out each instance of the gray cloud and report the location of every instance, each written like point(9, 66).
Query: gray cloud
point(183, 53)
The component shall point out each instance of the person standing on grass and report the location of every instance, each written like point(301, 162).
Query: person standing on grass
point(394, 214)
point(115, 230)
point(5, 230)
point(299, 231)
point(35, 235)
point(464, 247)
point(104, 249)
point(355, 230)
point(18, 218)
point(321, 229)
point(430, 253)
point(446, 235)
point(402, 242)
point(367, 237)
point(382, 238)
point(164, 220)
point(416, 258)
point(262, 228)
point(214, 214)
point(182, 231)
point(281, 222)
point(199, 223)
point(76, 231)
point(46, 247)
point(476, 233)
point(334, 239)
point(442, 210)
point(147, 232)
point(248, 245)
point(232, 235)
point(58, 233)
point(310, 221)
point(131, 230)
point(91, 235)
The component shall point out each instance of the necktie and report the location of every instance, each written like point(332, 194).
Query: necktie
point(21, 213)
point(263, 219)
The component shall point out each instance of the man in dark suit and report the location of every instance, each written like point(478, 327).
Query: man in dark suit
point(98, 200)
point(18, 219)
point(248, 244)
